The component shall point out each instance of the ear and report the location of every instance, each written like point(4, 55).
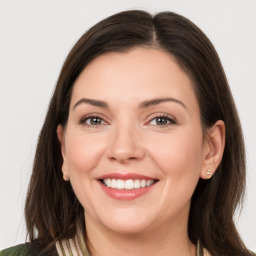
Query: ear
point(213, 149)
point(61, 138)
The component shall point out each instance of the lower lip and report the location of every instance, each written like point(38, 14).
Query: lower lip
point(126, 194)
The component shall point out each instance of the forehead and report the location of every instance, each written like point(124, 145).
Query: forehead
point(136, 75)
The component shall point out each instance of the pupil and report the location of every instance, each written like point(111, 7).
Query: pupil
point(95, 120)
point(161, 121)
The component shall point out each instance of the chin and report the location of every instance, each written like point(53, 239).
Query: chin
point(127, 228)
point(123, 221)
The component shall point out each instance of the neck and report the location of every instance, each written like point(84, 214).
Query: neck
point(162, 241)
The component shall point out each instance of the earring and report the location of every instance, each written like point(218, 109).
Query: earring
point(209, 173)
point(65, 176)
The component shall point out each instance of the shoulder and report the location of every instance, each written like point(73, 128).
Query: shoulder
point(21, 249)
point(33, 248)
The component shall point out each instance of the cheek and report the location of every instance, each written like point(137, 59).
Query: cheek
point(83, 152)
point(179, 158)
point(179, 154)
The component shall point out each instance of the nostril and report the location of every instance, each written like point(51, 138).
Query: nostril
point(123, 158)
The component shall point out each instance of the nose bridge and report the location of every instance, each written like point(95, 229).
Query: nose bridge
point(125, 142)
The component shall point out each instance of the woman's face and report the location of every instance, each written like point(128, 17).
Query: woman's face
point(133, 145)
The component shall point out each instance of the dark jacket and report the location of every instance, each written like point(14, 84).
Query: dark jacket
point(34, 248)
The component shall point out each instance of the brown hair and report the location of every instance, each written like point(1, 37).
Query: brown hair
point(52, 208)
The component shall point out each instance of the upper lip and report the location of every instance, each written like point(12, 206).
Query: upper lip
point(125, 176)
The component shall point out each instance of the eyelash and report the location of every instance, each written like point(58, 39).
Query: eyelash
point(91, 116)
point(169, 119)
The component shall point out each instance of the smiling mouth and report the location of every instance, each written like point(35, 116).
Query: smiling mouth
point(128, 184)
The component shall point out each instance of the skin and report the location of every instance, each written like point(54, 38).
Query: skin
point(128, 139)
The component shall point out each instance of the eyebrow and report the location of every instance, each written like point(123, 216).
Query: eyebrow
point(144, 104)
point(97, 103)
point(149, 103)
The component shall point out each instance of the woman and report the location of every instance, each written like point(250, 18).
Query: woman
point(141, 151)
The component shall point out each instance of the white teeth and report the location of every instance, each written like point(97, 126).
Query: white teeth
point(113, 183)
point(120, 184)
point(143, 184)
point(127, 184)
point(149, 182)
point(108, 182)
point(137, 184)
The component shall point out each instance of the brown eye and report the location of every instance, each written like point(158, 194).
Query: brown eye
point(162, 120)
point(93, 121)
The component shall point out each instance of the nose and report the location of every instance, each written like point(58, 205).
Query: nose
point(125, 145)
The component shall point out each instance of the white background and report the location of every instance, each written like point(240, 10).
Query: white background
point(35, 37)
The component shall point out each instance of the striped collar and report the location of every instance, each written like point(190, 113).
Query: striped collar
point(77, 247)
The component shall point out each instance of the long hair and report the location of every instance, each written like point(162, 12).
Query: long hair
point(52, 210)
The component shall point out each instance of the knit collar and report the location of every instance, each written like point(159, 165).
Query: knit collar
point(77, 247)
